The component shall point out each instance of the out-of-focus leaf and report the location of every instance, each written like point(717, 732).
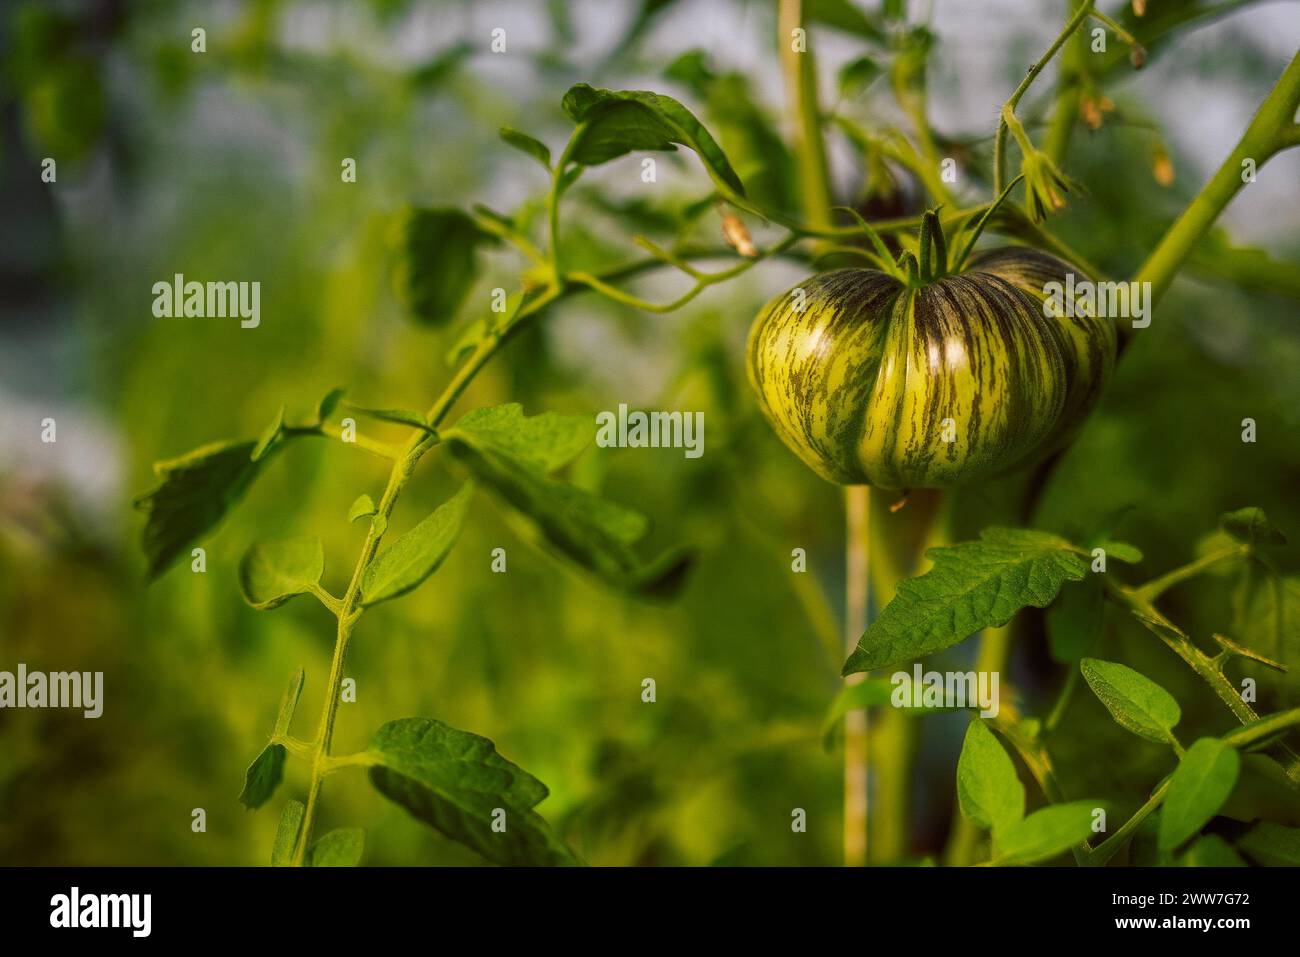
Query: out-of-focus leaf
point(1134, 700)
point(341, 847)
point(1204, 778)
point(1044, 834)
point(1125, 552)
point(843, 15)
point(271, 573)
point(328, 404)
point(457, 783)
point(974, 585)
point(1272, 845)
point(197, 489)
point(989, 791)
point(594, 533)
point(1074, 620)
point(528, 145)
point(269, 438)
point(416, 555)
point(856, 75)
point(1252, 527)
point(438, 262)
point(1211, 851)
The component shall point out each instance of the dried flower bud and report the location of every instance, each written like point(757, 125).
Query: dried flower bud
point(737, 236)
point(1162, 168)
point(1139, 8)
point(1090, 110)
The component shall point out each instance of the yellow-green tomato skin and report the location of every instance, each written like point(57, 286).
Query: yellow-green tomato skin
point(872, 381)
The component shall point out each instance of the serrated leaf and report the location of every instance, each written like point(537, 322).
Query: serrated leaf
point(286, 834)
point(455, 782)
point(527, 144)
point(271, 573)
point(972, 586)
point(341, 847)
point(1251, 526)
point(289, 703)
point(416, 555)
point(263, 777)
point(1125, 552)
point(270, 436)
point(1272, 845)
point(545, 442)
point(197, 490)
point(325, 408)
point(398, 416)
point(363, 506)
point(438, 262)
point(989, 791)
point(1074, 620)
point(1204, 778)
point(620, 121)
point(1211, 851)
point(1134, 700)
point(1044, 834)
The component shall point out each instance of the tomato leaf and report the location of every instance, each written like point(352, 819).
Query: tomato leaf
point(1211, 851)
point(620, 121)
point(197, 490)
point(546, 442)
point(286, 834)
point(1074, 620)
point(974, 585)
point(989, 791)
point(510, 455)
point(1251, 526)
point(416, 555)
point(1134, 700)
point(458, 784)
point(271, 573)
point(1044, 834)
point(1272, 845)
point(439, 262)
point(341, 847)
point(289, 703)
point(363, 506)
point(1204, 778)
point(528, 145)
point(397, 416)
point(263, 777)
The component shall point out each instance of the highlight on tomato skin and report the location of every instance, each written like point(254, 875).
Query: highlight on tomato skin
point(870, 380)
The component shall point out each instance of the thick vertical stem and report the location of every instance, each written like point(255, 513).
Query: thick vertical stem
point(801, 91)
point(857, 527)
point(1271, 130)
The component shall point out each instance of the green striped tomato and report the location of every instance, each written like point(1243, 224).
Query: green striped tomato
point(872, 380)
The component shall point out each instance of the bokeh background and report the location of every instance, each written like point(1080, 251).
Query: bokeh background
point(225, 165)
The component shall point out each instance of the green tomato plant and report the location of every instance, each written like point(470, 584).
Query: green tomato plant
point(831, 378)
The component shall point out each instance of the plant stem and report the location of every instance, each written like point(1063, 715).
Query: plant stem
point(857, 527)
point(1158, 586)
point(1000, 138)
point(1271, 130)
point(801, 90)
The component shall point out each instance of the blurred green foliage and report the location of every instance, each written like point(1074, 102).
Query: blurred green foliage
point(226, 165)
